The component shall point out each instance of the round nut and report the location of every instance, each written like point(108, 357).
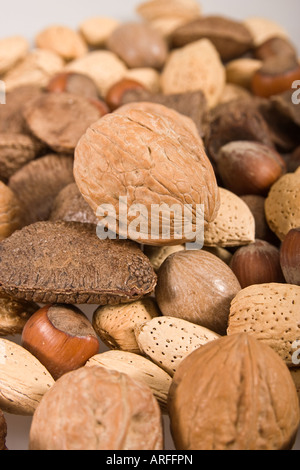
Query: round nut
point(276, 76)
point(74, 83)
point(115, 94)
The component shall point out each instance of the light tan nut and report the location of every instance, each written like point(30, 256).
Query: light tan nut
point(12, 50)
point(234, 224)
point(241, 71)
point(62, 40)
point(138, 368)
point(11, 216)
point(148, 77)
point(38, 67)
point(282, 205)
point(234, 92)
point(96, 30)
point(158, 254)
point(196, 66)
point(263, 29)
point(168, 340)
point(14, 314)
point(102, 66)
point(23, 379)
point(271, 313)
point(115, 324)
point(156, 9)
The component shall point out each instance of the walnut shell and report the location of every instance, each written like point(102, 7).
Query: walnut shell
point(151, 155)
point(234, 393)
point(95, 408)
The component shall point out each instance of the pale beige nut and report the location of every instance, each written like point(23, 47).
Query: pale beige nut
point(282, 206)
point(12, 50)
point(234, 224)
point(96, 30)
point(241, 71)
point(64, 41)
point(234, 92)
point(11, 217)
point(271, 313)
point(14, 315)
point(23, 379)
point(115, 324)
point(166, 26)
point(154, 9)
point(263, 29)
point(196, 66)
point(138, 368)
point(158, 254)
point(168, 340)
point(147, 76)
point(102, 66)
point(38, 67)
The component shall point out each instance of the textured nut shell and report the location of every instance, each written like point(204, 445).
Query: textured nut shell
point(141, 152)
point(3, 431)
point(14, 315)
point(65, 262)
point(38, 67)
point(12, 50)
point(147, 76)
point(263, 29)
point(23, 379)
point(158, 254)
point(198, 287)
point(95, 408)
point(11, 216)
point(233, 394)
point(282, 206)
point(65, 42)
point(241, 71)
point(168, 340)
point(269, 312)
point(138, 368)
point(234, 224)
point(104, 67)
point(96, 30)
point(115, 324)
point(196, 66)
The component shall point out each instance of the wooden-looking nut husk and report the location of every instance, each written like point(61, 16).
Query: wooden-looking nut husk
point(14, 314)
point(66, 262)
point(3, 431)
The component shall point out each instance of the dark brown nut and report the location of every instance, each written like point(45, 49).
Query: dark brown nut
point(11, 215)
point(235, 121)
point(283, 103)
point(60, 119)
point(70, 206)
point(74, 83)
point(152, 142)
point(276, 46)
point(231, 38)
point(293, 162)
point(290, 257)
point(119, 413)
point(257, 263)
point(179, 293)
point(3, 431)
point(14, 315)
point(61, 337)
point(115, 94)
point(256, 205)
point(138, 45)
point(38, 183)
point(275, 76)
point(65, 262)
point(249, 167)
point(251, 392)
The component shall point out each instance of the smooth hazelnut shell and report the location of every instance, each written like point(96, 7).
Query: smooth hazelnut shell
point(74, 83)
point(290, 257)
point(274, 46)
point(271, 79)
point(114, 97)
point(61, 338)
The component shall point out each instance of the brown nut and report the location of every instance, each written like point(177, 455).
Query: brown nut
point(3, 431)
point(14, 314)
point(74, 83)
point(11, 216)
point(257, 263)
point(61, 337)
point(249, 167)
point(275, 46)
point(234, 393)
point(115, 94)
point(290, 257)
point(119, 413)
point(256, 205)
point(179, 291)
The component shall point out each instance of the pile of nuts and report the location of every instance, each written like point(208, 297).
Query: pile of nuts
point(175, 108)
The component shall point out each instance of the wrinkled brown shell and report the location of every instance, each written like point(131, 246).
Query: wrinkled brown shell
point(233, 394)
point(14, 314)
point(151, 155)
point(65, 262)
point(3, 431)
point(95, 408)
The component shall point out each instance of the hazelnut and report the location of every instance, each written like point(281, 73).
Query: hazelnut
point(115, 94)
point(275, 46)
point(61, 338)
point(249, 167)
point(74, 83)
point(290, 257)
point(258, 263)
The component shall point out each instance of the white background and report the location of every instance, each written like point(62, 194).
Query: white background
point(30, 16)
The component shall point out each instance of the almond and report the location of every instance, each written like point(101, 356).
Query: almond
point(270, 312)
point(138, 368)
point(234, 224)
point(263, 29)
point(96, 30)
point(12, 50)
point(65, 42)
point(157, 9)
point(167, 340)
point(23, 379)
